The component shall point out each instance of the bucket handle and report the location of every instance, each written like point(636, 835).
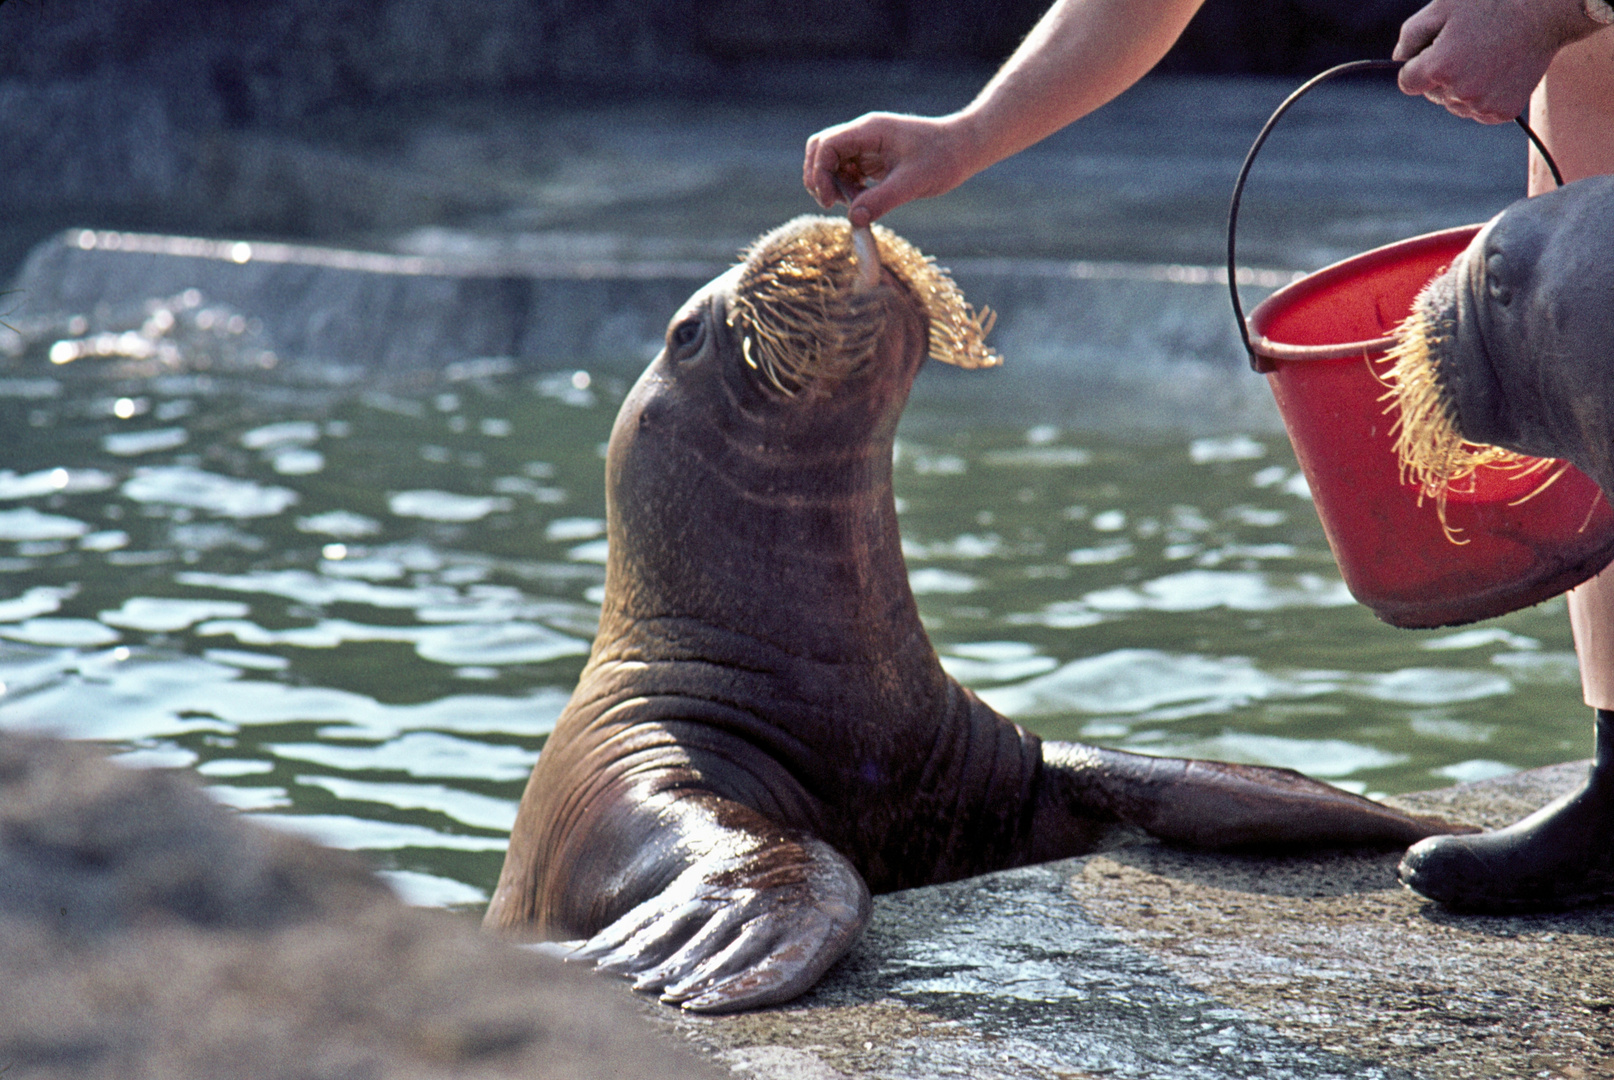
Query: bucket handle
point(1257, 363)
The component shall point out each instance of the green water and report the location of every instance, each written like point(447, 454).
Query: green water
point(356, 612)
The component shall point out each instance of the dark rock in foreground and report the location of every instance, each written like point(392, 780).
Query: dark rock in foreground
point(146, 932)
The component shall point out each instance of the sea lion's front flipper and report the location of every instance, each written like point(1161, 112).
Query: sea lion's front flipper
point(755, 921)
point(678, 851)
point(1214, 804)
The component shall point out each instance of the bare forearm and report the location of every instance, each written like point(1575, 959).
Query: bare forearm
point(1080, 55)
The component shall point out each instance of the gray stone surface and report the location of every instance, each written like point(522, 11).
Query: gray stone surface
point(146, 931)
point(1154, 962)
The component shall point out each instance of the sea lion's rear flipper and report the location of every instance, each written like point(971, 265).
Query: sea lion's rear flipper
point(755, 921)
point(1214, 804)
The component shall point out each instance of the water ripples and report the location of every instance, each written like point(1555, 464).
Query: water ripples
point(357, 614)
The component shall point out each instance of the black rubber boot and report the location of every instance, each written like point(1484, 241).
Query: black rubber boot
point(1560, 856)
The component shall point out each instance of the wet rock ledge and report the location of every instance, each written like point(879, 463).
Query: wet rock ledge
point(1154, 962)
point(146, 931)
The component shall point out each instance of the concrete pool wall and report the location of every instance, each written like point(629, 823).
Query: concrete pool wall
point(1087, 342)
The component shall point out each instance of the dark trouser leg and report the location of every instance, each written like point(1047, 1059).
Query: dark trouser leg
point(1560, 856)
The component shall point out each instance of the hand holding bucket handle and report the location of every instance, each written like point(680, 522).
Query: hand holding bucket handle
point(1257, 362)
point(1504, 540)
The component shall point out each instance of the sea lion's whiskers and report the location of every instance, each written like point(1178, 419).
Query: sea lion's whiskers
point(808, 306)
point(1433, 455)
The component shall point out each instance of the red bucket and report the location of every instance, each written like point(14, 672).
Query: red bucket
point(1322, 342)
point(1507, 542)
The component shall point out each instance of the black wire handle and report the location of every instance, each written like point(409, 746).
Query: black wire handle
point(1541, 148)
point(1255, 148)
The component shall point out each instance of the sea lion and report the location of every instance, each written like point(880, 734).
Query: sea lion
point(763, 735)
point(1508, 348)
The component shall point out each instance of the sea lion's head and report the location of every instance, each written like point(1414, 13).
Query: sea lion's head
point(811, 301)
point(778, 391)
point(1508, 348)
point(803, 324)
point(801, 343)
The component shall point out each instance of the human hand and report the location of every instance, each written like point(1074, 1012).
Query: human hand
point(1482, 58)
point(903, 157)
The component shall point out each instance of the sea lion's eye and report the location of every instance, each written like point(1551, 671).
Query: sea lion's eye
point(686, 338)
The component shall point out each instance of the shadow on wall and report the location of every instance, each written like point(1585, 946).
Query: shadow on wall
point(245, 62)
point(227, 117)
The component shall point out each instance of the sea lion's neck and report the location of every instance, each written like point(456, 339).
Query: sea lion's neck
point(797, 553)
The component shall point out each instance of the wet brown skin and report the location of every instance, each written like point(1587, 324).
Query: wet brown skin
point(763, 734)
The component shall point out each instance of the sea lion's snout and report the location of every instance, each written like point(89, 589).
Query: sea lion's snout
point(1503, 361)
point(809, 304)
point(807, 307)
